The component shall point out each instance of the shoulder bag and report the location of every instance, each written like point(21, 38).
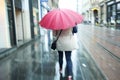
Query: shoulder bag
point(53, 46)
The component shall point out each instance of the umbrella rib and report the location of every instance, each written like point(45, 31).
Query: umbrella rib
point(71, 20)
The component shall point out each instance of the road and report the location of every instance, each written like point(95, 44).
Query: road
point(103, 44)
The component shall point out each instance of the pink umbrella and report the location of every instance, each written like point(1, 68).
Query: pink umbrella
point(60, 19)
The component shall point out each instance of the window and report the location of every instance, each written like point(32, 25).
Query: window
point(11, 22)
point(35, 3)
point(118, 6)
point(10, 14)
point(117, 0)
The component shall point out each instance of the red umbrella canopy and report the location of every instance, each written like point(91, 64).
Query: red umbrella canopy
point(60, 19)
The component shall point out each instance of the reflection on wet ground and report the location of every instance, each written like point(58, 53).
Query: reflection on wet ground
point(28, 63)
point(33, 63)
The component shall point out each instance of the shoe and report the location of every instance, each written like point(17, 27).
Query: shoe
point(69, 78)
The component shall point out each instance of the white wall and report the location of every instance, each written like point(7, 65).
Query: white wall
point(19, 25)
point(4, 26)
point(86, 7)
point(26, 19)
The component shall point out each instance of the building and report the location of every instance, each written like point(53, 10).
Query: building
point(106, 13)
point(95, 11)
point(86, 12)
point(4, 26)
point(102, 13)
point(18, 22)
point(113, 13)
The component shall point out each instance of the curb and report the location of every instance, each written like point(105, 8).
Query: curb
point(7, 52)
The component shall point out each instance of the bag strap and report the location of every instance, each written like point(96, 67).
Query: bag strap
point(58, 35)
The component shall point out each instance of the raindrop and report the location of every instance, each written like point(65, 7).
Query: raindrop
point(84, 65)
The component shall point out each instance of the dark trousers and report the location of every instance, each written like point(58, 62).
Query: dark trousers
point(68, 60)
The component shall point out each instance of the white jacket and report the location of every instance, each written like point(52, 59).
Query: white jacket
point(66, 41)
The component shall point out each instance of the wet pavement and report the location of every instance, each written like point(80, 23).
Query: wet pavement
point(103, 44)
point(90, 62)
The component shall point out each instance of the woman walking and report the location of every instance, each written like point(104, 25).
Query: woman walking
point(65, 44)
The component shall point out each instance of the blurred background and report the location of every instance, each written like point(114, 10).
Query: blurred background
point(23, 41)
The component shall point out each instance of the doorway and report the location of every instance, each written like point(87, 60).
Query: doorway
point(118, 16)
point(19, 26)
point(95, 16)
point(11, 23)
point(118, 21)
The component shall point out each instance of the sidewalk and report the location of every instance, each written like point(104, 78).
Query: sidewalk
point(7, 51)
